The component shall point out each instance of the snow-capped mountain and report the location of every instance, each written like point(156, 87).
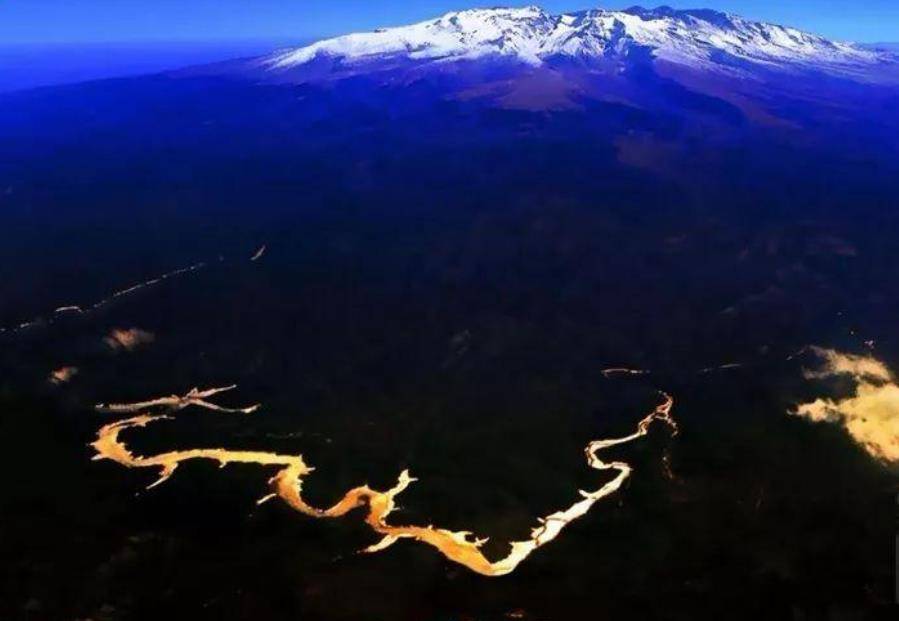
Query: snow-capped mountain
point(697, 38)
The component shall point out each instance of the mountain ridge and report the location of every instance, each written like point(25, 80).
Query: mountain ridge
point(701, 38)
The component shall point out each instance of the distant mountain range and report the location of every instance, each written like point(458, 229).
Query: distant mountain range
point(691, 64)
point(699, 39)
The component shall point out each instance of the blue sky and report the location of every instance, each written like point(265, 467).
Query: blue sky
point(68, 21)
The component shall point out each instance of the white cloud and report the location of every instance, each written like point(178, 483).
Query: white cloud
point(871, 414)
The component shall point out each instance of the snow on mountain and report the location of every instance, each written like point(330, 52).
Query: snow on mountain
point(466, 34)
point(693, 37)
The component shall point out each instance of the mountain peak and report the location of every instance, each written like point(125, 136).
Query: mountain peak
point(698, 37)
